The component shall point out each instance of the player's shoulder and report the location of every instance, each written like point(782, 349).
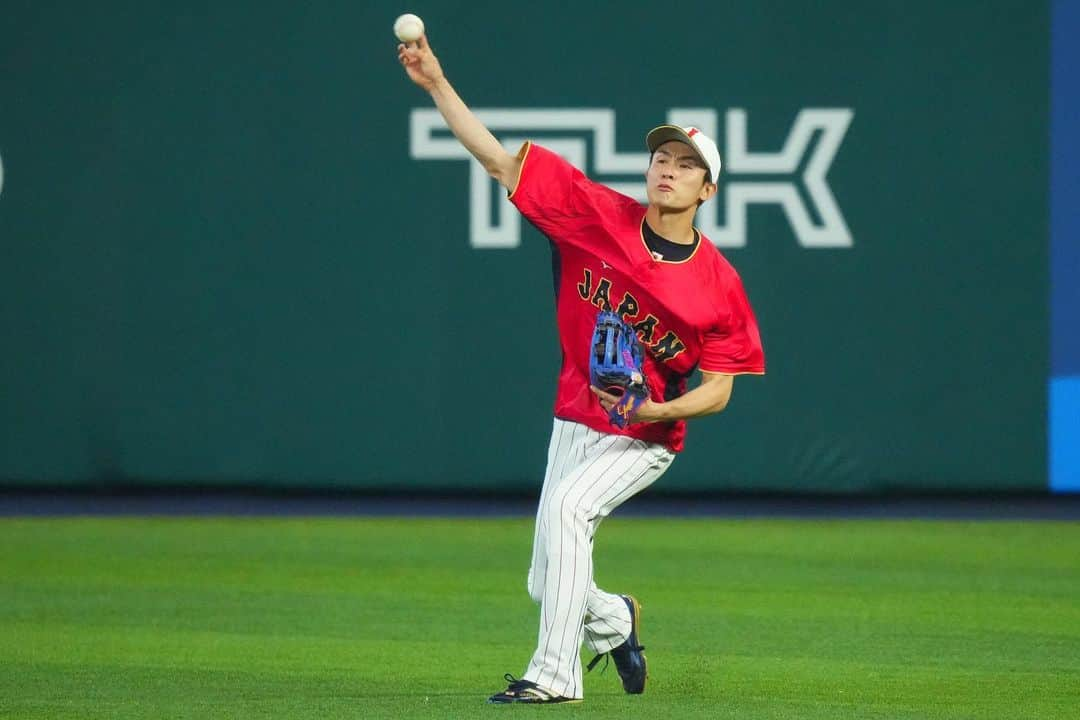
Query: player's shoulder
point(716, 266)
point(535, 158)
point(711, 255)
point(540, 155)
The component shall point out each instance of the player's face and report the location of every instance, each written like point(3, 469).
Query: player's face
point(676, 177)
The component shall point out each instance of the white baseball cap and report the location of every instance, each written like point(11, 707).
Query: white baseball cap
point(701, 143)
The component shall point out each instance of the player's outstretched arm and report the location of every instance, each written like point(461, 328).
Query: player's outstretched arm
point(423, 69)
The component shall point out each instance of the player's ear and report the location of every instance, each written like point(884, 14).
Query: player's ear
point(707, 191)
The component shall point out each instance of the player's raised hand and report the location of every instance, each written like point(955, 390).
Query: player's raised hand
point(420, 63)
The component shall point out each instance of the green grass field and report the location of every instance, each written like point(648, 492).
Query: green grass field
point(420, 618)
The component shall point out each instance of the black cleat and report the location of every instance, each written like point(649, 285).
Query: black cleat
point(526, 691)
point(630, 656)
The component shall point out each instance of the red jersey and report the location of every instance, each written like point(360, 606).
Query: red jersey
point(687, 314)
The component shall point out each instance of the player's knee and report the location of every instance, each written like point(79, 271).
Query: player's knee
point(576, 512)
point(567, 509)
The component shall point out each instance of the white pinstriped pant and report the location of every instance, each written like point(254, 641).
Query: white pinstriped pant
point(589, 474)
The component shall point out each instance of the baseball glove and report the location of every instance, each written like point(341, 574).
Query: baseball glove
point(616, 359)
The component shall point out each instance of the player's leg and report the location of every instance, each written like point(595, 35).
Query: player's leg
point(565, 450)
point(612, 622)
point(613, 469)
point(608, 622)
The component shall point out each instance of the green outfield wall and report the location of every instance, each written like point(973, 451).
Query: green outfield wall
point(237, 248)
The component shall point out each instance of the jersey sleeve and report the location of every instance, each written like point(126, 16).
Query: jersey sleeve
point(733, 345)
point(554, 195)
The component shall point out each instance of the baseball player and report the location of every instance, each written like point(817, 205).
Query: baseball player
point(655, 271)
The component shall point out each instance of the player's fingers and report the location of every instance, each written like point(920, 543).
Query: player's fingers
point(606, 400)
point(422, 43)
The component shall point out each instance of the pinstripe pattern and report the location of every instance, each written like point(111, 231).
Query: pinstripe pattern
point(589, 474)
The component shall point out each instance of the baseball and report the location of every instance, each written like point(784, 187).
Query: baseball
point(408, 28)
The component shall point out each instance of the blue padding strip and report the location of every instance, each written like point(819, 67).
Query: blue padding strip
point(1065, 434)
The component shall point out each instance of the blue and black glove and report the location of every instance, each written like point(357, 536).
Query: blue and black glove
point(616, 362)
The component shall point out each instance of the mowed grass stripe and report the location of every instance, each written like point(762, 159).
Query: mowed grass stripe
point(418, 618)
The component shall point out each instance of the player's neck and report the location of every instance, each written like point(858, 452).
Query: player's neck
point(674, 225)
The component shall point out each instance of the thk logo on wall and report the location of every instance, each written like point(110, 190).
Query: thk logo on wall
point(778, 182)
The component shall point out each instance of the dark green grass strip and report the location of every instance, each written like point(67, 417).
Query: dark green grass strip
point(392, 618)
